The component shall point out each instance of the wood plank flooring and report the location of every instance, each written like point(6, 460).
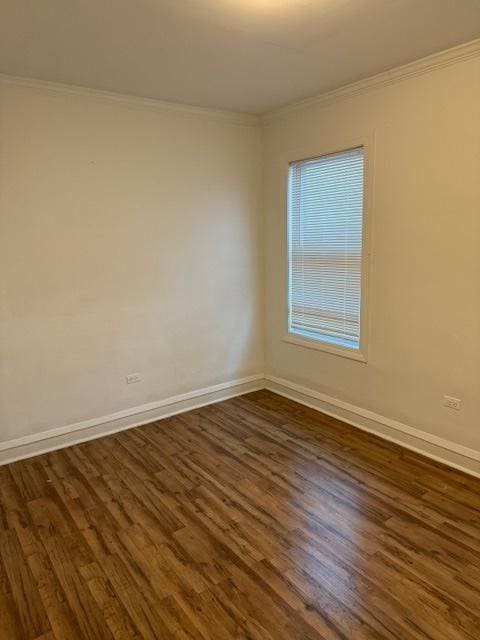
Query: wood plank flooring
point(254, 518)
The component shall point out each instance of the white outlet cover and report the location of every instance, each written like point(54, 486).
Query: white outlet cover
point(133, 377)
point(452, 403)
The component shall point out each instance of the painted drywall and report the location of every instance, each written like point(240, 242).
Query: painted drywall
point(424, 303)
point(130, 241)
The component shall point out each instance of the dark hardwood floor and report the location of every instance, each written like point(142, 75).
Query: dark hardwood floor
point(253, 518)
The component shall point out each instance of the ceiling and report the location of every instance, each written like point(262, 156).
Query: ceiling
point(243, 55)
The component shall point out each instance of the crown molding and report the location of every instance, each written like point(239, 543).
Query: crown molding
point(392, 76)
point(148, 104)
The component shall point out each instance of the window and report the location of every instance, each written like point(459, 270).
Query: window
point(325, 229)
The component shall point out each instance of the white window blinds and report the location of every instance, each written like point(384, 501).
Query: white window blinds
point(325, 247)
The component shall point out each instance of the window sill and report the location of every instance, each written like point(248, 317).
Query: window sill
point(319, 345)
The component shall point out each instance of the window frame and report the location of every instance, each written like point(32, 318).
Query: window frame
point(367, 143)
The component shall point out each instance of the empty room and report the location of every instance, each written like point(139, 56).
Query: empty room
point(240, 320)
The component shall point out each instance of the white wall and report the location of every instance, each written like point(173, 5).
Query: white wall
point(424, 313)
point(129, 242)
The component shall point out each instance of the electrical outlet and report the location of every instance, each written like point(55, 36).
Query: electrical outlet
point(133, 377)
point(452, 403)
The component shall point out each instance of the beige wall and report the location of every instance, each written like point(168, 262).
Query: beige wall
point(129, 242)
point(424, 308)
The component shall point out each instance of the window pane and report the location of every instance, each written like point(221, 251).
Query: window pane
point(325, 236)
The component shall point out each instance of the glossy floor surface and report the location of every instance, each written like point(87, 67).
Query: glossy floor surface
point(253, 518)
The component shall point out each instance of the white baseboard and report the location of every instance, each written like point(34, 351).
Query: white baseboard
point(61, 437)
point(439, 449)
